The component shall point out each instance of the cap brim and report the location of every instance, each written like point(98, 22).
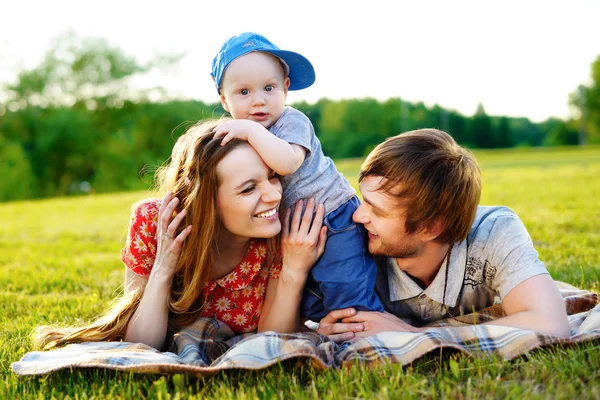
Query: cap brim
point(302, 73)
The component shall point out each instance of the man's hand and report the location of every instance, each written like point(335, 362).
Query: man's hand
point(338, 331)
point(238, 129)
point(375, 322)
point(348, 324)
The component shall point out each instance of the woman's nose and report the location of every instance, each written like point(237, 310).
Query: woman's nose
point(272, 193)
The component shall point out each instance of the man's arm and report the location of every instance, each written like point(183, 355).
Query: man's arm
point(535, 304)
point(529, 296)
point(282, 157)
point(543, 312)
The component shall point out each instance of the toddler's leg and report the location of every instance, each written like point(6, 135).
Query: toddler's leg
point(345, 274)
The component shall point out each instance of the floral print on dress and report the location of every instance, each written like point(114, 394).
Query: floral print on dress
point(235, 299)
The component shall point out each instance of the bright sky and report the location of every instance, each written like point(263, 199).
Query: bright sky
point(518, 58)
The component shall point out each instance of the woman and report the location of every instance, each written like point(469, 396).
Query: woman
point(208, 249)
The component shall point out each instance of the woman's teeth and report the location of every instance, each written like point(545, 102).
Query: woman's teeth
point(267, 214)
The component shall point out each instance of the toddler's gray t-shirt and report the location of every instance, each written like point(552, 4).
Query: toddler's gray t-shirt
point(317, 176)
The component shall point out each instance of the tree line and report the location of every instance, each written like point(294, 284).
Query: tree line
point(73, 125)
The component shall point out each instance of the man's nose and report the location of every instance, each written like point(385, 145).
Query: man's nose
point(359, 216)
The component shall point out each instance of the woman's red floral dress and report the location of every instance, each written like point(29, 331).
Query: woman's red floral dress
point(236, 299)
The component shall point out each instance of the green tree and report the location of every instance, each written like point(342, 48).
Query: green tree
point(457, 127)
point(18, 180)
point(348, 127)
point(586, 100)
point(503, 134)
point(64, 150)
point(526, 133)
point(481, 127)
point(63, 110)
point(81, 70)
point(560, 133)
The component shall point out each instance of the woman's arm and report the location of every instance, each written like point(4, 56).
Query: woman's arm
point(302, 244)
point(149, 323)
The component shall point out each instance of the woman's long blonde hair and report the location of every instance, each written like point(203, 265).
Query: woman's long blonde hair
point(191, 174)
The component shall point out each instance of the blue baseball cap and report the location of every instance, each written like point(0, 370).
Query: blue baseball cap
point(299, 69)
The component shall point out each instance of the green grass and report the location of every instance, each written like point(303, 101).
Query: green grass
point(60, 264)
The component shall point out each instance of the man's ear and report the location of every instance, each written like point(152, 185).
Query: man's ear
point(432, 231)
point(224, 103)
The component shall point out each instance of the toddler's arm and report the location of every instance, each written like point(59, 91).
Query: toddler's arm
point(282, 157)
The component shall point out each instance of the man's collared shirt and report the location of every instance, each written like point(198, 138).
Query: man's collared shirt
point(497, 255)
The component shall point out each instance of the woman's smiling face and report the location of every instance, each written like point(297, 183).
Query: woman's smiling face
point(248, 195)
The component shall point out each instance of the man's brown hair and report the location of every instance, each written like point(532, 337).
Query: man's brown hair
point(432, 176)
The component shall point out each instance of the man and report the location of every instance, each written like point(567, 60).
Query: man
point(440, 254)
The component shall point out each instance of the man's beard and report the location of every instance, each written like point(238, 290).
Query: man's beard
point(406, 250)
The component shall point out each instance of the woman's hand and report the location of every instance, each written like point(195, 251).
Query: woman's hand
point(303, 239)
point(301, 244)
point(149, 323)
point(169, 243)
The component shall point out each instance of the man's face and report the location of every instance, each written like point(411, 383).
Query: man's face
point(384, 218)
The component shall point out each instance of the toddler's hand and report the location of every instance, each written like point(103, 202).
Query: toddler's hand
point(236, 129)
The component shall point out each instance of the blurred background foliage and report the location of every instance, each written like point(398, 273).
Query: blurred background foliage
point(75, 123)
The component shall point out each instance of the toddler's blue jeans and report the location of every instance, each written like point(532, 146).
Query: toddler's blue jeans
point(344, 276)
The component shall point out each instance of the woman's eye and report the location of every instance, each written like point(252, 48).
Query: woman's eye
point(273, 176)
point(268, 88)
point(247, 190)
point(244, 91)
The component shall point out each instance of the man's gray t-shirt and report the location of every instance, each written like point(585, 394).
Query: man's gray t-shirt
point(317, 176)
point(497, 255)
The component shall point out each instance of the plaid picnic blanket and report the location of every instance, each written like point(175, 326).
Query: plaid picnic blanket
point(208, 346)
